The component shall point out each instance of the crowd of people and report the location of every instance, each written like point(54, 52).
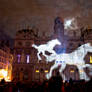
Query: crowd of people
point(55, 84)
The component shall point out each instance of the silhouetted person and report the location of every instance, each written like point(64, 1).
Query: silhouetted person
point(71, 81)
point(88, 86)
point(2, 82)
point(55, 83)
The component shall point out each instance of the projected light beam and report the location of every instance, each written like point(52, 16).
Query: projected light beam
point(75, 58)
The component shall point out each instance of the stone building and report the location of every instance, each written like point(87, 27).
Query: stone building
point(26, 66)
point(6, 59)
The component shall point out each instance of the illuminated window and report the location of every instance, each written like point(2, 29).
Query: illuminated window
point(90, 59)
point(37, 71)
point(3, 74)
point(71, 71)
point(28, 58)
point(81, 71)
point(46, 71)
point(18, 56)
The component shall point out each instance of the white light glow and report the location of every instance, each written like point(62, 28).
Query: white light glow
point(75, 58)
point(70, 24)
point(28, 58)
point(4, 75)
point(46, 47)
point(4, 72)
point(71, 71)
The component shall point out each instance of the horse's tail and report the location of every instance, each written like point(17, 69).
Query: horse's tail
point(33, 45)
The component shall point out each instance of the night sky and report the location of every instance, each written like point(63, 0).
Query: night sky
point(40, 14)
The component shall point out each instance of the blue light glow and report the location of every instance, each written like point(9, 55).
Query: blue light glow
point(18, 58)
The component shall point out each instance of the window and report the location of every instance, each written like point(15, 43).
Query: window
point(18, 58)
point(28, 56)
point(25, 75)
point(27, 44)
point(20, 43)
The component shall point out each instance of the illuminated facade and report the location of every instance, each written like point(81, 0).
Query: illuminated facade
point(26, 66)
point(6, 59)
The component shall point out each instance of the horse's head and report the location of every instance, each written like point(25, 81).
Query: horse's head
point(87, 44)
point(57, 42)
point(87, 47)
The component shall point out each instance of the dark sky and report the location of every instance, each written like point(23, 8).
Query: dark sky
point(19, 14)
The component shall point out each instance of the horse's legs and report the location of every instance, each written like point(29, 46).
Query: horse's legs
point(90, 68)
point(38, 55)
point(43, 52)
point(61, 69)
point(82, 73)
point(48, 75)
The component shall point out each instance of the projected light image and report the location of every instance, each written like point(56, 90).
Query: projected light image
point(46, 47)
point(70, 24)
point(75, 58)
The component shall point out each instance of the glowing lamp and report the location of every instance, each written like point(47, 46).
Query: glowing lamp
point(46, 71)
point(37, 71)
point(81, 71)
point(71, 71)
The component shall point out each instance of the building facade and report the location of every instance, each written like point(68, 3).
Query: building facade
point(26, 66)
point(6, 59)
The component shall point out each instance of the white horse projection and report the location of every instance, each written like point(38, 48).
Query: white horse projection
point(75, 58)
point(46, 47)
